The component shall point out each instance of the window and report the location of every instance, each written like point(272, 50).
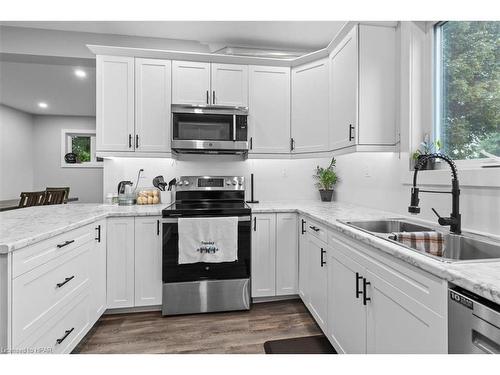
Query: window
point(82, 143)
point(467, 89)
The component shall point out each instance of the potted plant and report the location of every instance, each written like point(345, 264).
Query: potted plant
point(326, 179)
point(425, 148)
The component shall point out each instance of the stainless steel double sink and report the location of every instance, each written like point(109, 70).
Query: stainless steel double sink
point(464, 247)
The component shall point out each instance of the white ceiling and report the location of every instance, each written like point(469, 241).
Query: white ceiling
point(24, 85)
point(296, 35)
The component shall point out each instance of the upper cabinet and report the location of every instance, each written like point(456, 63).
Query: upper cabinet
point(363, 88)
point(115, 103)
point(310, 125)
point(269, 109)
point(230, 85)
point(190, 82)
point(200, 83)
point(133, 105)
point(152, 105)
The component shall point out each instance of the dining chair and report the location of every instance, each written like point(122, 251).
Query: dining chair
point(32, 198)
point(65, 189)
point(54, 197)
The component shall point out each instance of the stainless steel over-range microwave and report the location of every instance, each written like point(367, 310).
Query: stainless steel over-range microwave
point(209, 129)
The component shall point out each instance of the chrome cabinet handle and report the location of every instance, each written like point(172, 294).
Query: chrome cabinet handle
point(65, 244)
point(358, 292)
point(66, 334)
point(66, 280)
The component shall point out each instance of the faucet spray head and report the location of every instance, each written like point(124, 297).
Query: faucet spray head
point(413, 208)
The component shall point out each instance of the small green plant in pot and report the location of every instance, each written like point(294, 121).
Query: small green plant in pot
point(326, 178)
point(425, 148)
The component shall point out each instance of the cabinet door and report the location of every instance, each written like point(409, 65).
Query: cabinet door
point(97, 270)
point(120, 262)
point(264, 255)
point(318, 304)
point(148, 261)
point(310, 107)
point(152, 100)
point(303, 261)
point(346, 312)
point(115, 103)
point(269, 109)
point(377, 85)
point(230, 85)
point(190, 82)
point(286, 254)
point(344, 92)
point(397, 323)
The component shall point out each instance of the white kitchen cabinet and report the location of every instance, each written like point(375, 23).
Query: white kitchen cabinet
point(148, 261)
point(269, 109)
point(346, 312)
point(191, 82)
point(310, 107)
point(382, 307)
point(120, 262)
point(317, 271)
point(229, 84)
point(303, 261)
point(363, 88)
point(264, 255)
point(115, 103)
point(97, 269)
point(396, 323)
point(286, 254)
point(152, 105)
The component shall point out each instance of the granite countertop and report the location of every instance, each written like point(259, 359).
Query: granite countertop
point(20, 228)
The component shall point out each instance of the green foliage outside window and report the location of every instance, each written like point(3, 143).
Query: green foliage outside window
point(470, 88)
point(81, 147)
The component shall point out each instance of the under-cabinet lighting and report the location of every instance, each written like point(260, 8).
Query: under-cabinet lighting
point(43, 105)
point(80, 73)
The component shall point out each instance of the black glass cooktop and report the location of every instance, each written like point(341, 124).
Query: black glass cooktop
point(207, 208)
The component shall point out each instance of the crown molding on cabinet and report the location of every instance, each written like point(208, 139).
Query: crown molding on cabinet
point(228, 59)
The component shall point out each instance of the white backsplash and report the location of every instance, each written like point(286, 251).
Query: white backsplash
point(275, 179)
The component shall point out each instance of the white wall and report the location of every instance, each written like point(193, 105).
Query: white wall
point(274, 179)
point(84, 183)
point(16, 152)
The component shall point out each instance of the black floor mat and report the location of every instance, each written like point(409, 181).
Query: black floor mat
point(300, 345)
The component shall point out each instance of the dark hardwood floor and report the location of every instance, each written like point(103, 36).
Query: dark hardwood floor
point(231, 332)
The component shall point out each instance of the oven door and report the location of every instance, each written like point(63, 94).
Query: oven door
point(209, 131)
point(173, 272)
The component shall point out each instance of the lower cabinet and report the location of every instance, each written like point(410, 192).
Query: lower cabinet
point(134, 263)
point(148, 261)
point(303, 261)
point(317, 271)
point(274, 255)
point(383, 306)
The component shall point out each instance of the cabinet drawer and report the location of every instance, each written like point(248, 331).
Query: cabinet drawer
point(63, 331)
point(33, 256)
point(317, 230)
point(38, 294)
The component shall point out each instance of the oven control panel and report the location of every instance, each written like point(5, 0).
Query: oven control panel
point(194, 183)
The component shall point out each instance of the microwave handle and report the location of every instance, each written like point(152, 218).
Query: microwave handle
point(234, 128)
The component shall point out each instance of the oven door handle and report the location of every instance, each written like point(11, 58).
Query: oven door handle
point(170, 220)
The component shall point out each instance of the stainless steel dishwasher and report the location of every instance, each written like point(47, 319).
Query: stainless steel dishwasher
point(473, 323)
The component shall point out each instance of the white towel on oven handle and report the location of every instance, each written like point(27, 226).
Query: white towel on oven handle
point(210, 239)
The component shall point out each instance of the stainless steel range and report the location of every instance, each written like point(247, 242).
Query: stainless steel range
point(202, 286)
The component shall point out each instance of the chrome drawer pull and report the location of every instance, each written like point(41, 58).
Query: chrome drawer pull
point(65, 244)
point(66, 334)
point(66, 280)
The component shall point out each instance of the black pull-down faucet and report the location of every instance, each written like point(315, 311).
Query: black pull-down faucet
point(454, 221)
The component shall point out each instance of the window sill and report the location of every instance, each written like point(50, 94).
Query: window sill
point(468, 177)
point(83, 165)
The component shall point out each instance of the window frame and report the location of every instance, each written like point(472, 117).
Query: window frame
point(437, 103)
point(66, 146)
